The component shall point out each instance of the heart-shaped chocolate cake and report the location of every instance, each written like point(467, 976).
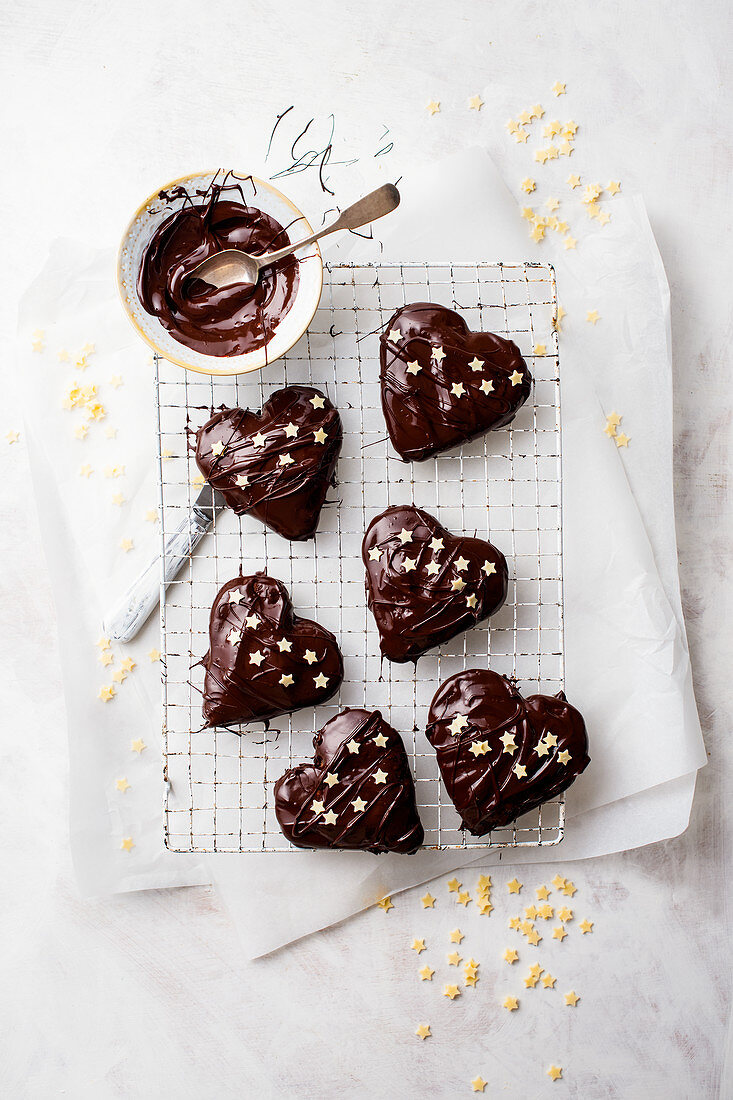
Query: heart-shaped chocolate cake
point(425, 585)
point(263, 660)
point(357, 793)
point(443, 384)
point(276, 464)
point(501, 755)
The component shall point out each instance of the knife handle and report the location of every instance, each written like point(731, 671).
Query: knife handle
point(129, 616)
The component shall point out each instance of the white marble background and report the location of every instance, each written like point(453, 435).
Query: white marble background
point(149, 995)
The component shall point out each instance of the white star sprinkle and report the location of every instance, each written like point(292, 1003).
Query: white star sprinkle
point(461, 564)
point(520, 771)
point(318, 402)
point(252, 621)
point(459, 722)
point(256, 658)
point(287, 680)
point(259, 440)
point(352, 746)
point(516, 378)
point(458, 389)
point(380, 776)
point(507, 740)
point(458, 584)
point(291, 431)
point(476, 363)
point(438, 354)
point(310, 657)
point(317, 806)
point(320, 680)
point(437, 544)
point(284, 645)
point(330, 818)
point(380, 741)
point(286, 459)
point(330, 779)
point(394, 335)
point(375, 554)
point(242, 481)
point(471, 601)
point(486, 386)
point(234, 636)
point(432, 568)
point(409, 564)
point(359, 805)
point(488, 568)
point(217, 448)
point(413, 367)
point(236, 595)
point(320, 436)
point(405, 536)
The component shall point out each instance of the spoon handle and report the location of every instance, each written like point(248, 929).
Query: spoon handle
point(374, 205)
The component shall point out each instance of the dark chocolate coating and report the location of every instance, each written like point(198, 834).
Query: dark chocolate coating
point(483, 785)
point(285, 478)
point(378, 774)
point(422, 412)
point(240, 689)
point(234, 319)
point(418, 609)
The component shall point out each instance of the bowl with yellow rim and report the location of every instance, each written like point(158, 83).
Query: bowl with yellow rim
point(291, 326)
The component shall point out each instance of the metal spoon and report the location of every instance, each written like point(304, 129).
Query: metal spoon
point(234, 266)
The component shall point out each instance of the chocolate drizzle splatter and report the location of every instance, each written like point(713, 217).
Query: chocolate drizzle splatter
point(423, 411)
point(276, 464)
point(263, 660)
point(501, 755)
point(425, 589)
point(358, 793)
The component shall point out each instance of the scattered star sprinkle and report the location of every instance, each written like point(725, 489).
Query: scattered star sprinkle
point(320, 680)
point(586, 926)
point(475, 103)
point(478, 1084)
point(320, 436)
point(511, 955)
point(555, 1072)
point(558, 88)
point(12, 437)
point(511, 1004)
point(330, 779)
point(151, 515)
point(122, 785)
point(153, 654)
point(287, 680)
point(528, 185)
point(516, 377)
point(106, 693)
point(318, 402)
point(234, 637)
point(352, 746)
point(463, 898)
point(102, 643)
point(559, 933)
point(418, 945)
point(413, 367)
point(310, 657)
point(540, 349)
point(542, 893)
point(428, 901)
point(218, 448)
point(85, 470)
point(622, 440)
point(284, 645)
point(438, 354)
point(423, 1031)
point(330, 818)
point(118, 499)
point(385, 904)
point(453, 959)
point(487, 386)
point(451, 991)
point(456, 936)
point(126, 545)
point(127, 843)
point(570, 242)
point(380, 776)
point(571, 998)
point(426, 974)
point(106, 659)
point(454, 886)
point(514, 886)
point(138, 746)
point(433, 107)
point(409, 564)
point(548, 981)
point(405, 536)
point(569, 889)
point(436, 545)
point(459, 723)
point(458, 584)
point(458, 389)
point(520, 771)
point(565, 914)
point(613, 187)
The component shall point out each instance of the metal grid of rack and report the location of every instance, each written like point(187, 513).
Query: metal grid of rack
point(505, 486)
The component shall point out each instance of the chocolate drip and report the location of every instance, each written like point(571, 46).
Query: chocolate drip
point(424, 414)
point(422, 594)
point(264, 660)
point(234, 319)
point(360, 777)
point(276, 464)
point(487, 737)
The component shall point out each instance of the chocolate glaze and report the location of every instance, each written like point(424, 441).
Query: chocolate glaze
point(240, 689)
point(483, 786)
point(418, 609)
point(283, 480)
point(423, 414)
point(389, 821)
point(234, 319)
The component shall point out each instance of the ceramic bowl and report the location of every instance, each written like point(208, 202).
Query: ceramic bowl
point(144, 223)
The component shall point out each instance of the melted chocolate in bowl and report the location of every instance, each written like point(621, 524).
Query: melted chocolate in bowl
point(235, 319)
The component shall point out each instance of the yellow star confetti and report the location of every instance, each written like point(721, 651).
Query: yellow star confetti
point(559, 933)
point(537, 233)
point(426, 974)
point(542, 893)
point(478, 1084)
point(511, 1004)
point(451, 991)
point(604, 217)
point(80, 431)
point(613, 187)
point(537, 111)
point(433, 106)
point(122, 785)
point(385, 904)
point(151, 515)
point(475, 103)
point(558, 882)
point(418, 945)
point(622, 440)
point(127, 843)
point(85, 470)
point(456, 936)
point(511, 955)
point(558, 88)
point(540, 349)
point(610, 429)
point(118, 499)
point(428, 901)
point(119, 675)
point(565, 914)
point(62, 355)
point(573, 181)
point(546, 912)
point(484, 906)
point(423, 1031)
point(138, 746)
point(521, 136)
point(153, 654)
point(570, 242)
point(535, 970)
point(12, 437)
point(548, 981)
point(514, 886)
point(106, 659)
point(126, 545)
point(103, 643)
point(454, 886)
point(454, 958)
point(555, 1072)
point(463, 898)
point(528, 185)
point(512, 126)
point(571, 998)
point(569, 889)
point(592, 316)
point(533, 937)
point(530, 912)
point(106, 693)
point(586, 926)
point(514, 922)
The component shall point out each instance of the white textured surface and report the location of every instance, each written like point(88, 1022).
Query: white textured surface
point(105, 107)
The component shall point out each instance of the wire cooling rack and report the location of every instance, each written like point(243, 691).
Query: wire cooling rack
point(505, 486)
